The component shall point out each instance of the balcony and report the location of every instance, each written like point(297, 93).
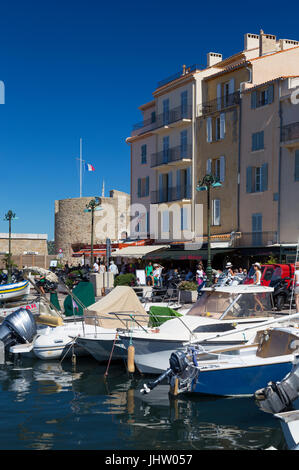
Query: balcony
point(251, 239)
point(171, 194)
point(173, 117)
point(290, 135)
point(174, 155)
point(219, 104)
point(171, 78)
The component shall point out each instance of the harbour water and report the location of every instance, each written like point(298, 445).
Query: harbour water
point(55, 406)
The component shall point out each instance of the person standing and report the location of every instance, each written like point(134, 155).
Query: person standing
point(257, 274)
point(149, 274)
point(113, 268)
point(95, 267)
point(296, 286)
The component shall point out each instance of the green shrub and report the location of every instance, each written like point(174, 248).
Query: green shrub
point(125, 280)
point(188, 285)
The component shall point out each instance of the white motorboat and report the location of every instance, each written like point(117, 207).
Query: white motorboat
point(219, 309)
point(14, 291)
point(94, 334)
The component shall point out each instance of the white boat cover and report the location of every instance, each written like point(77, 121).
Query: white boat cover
point(49, 275)
point(118, 309)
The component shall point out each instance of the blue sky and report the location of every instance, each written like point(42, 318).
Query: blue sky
point(81, 69)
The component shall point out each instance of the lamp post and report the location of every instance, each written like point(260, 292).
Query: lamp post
point(209, 181)
point(92, 206)
point(9, 217)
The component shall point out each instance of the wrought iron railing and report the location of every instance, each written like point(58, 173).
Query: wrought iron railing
point(249, 239)
point(170, 194)
point(170, 155)
point(290, 132)
point(164, 119)
point(185, 71)
point(220, 103)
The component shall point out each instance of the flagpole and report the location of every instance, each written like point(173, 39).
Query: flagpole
point(80, 167)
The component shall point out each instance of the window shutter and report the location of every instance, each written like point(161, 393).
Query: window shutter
point(297, 165)
point(216, 211)
point(139, 188)
point(231, 86)
point(222, 125)
point(219, 96)
point(264, 177)
point(143, 154)
point(270, 94)
point(165, 149)
point(253, 99)
point(209, 129)
point(170, 186)
point(209, 166)
point(249, 179)
point(178, 184)
point(147, 186)
point(222, 168)
point(160, 188)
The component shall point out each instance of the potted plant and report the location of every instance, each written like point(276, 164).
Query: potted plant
point(188, 291)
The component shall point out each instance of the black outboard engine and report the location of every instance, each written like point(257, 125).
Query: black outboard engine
point(18, 327)
point(178, 363)
point(279, 396)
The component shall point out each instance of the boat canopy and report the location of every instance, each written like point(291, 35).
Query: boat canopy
point(233, 302)
point(118, 309)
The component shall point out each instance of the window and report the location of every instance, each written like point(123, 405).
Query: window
point(184, 104)
point(165, 221)
point(262, 97)
point(143, 154)
point(257, 222)
point(297, 165)
point(143, 187)
point(257, 179)
point(153, 116)
point(216, 212)
point(216, 167)
point(257, 141)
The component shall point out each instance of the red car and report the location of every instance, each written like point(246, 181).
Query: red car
point(271, 272)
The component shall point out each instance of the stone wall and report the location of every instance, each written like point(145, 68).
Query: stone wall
point(73, 225)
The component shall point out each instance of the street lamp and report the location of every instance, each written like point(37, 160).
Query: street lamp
point(92, 206)
point(9, 217)
point(209, 181)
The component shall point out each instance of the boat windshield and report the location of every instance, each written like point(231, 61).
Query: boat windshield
point(229, 305)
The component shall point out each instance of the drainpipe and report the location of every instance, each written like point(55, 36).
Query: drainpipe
point(194, 149)
point(279, 162)
point(249, 69)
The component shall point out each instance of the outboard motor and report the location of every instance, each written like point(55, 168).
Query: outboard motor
point(18, 327)
point(279, 396)
point(178, 363)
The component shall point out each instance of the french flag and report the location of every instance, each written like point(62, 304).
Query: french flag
point(89, 167)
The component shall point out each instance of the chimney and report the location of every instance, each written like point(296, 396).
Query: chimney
point(251, 41)
point(287, 44)
point(213, 58)
point(268, 43)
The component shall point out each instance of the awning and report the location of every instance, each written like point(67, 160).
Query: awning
point(138, 251)
point(185, 254)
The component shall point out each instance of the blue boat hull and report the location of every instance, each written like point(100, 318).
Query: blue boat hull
point(239, 380)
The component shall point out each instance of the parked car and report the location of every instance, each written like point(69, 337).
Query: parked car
point(267, 273)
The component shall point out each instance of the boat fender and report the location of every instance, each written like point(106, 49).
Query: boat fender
point(131, 359)
point(279, 396)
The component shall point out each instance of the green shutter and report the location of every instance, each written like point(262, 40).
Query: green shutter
point(253, 100)
point(139, 188)
point(264, 177)
point(270, 94)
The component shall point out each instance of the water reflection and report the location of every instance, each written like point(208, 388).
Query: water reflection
point(52, 405)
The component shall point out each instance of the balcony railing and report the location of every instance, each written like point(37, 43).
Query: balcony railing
point(290, 132)
point(249, 239)
point(170, 194)
point(221, 103)
point(164, 119)
point(177, 75)
point(171, 155)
